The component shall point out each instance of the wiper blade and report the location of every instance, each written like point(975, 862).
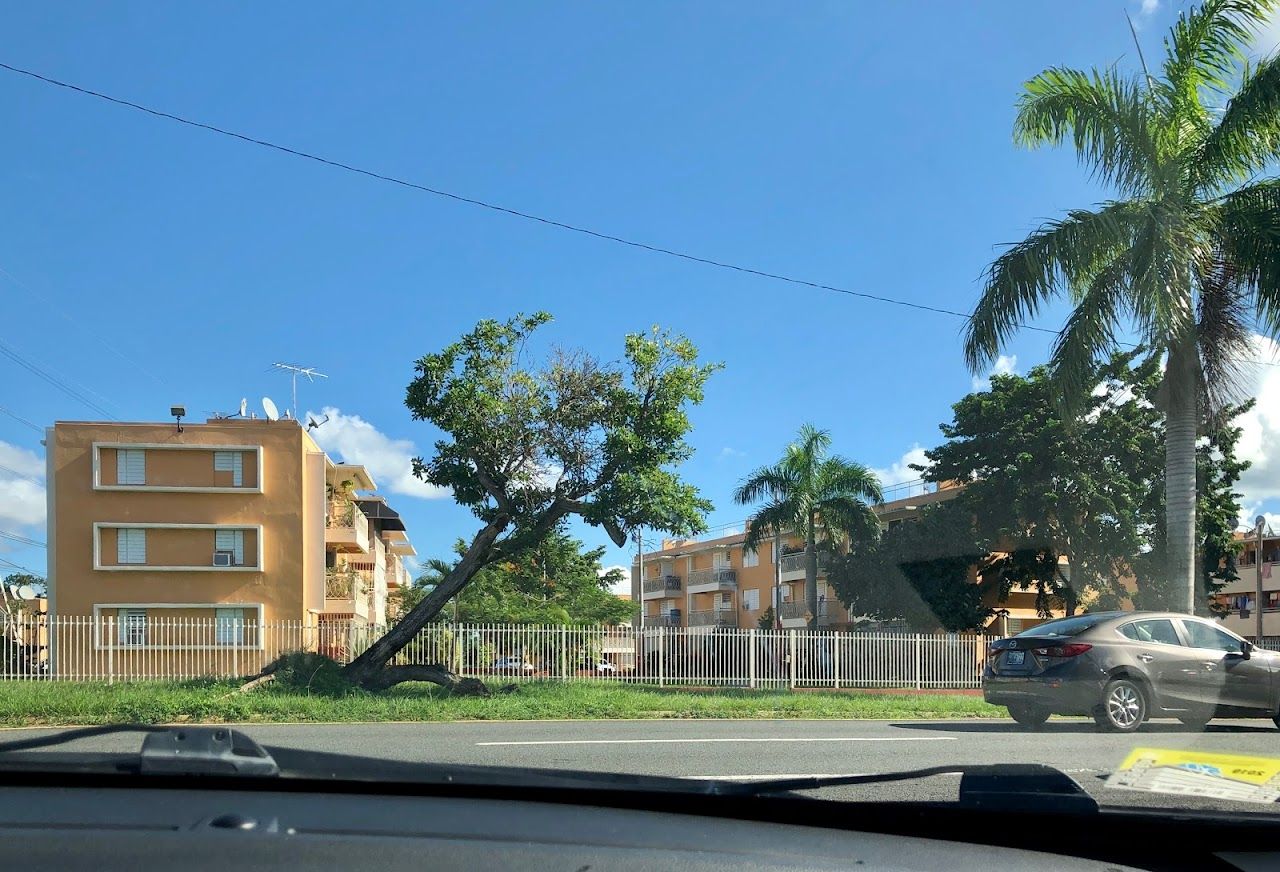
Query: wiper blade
point(995, 786)
point(175, 750)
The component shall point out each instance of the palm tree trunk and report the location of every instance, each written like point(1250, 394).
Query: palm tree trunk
point(1181, 390)
point(811, 574)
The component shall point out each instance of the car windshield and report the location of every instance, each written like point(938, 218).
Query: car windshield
point(715, 392)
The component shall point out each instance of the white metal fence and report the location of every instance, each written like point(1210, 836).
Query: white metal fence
point(107, 649)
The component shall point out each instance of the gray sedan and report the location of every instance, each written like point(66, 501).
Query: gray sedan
point(1125, 667)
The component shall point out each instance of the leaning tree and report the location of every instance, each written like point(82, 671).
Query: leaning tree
point(526, 444)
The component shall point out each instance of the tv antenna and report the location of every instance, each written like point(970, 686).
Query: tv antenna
point(293, 369)
point(312, 423)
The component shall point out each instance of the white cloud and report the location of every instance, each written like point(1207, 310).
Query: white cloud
point(1149, 8)
point(1260, 426)
point(729, 453)
point(352, 439)
point(1006, 364)
point(900, 470)
point(22, 500)
point(1267, 39)
point(623, 586)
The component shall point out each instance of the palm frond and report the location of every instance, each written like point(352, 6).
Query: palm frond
point(1089, 333)
point(1060, 256)
point(1249, 237)
point(1224, 332)
point(1107, 116)
point(767, 481)
point(1205, 46)
point(845, 518)
point(774, 517)
point(1247, 137)
point(845, 478)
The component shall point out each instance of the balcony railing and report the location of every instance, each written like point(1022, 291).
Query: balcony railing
point(714, 618)
point(663, 585)
point(343, 584)
point(795, 562)
point(669, 619)
point(711, 578)
point(346, 528)
point(342, 513)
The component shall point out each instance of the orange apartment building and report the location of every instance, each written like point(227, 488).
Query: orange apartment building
point(235, 522)
point(716, 583)
point(1240, 596)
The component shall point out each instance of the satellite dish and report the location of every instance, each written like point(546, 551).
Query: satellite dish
point(25, 592)
point(244, 404)
point(273, 414)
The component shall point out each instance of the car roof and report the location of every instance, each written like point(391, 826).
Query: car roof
point(1120, 615)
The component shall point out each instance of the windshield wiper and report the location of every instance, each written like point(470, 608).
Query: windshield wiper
point(174, 750)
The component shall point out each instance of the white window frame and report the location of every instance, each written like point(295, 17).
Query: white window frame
point(230, 539)
point(167, 446)
point(232, 462)
point(98, 526)
point(750, 558)
point(751, 599)
point(131, 542)
point(228, 627)
point(130, 620)
point(113, 610)
point(131, 466)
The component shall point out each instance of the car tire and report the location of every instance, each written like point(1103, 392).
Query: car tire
point(1123, 707)
point(1030, 716)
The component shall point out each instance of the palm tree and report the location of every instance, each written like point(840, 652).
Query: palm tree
point(825, 499)
point(1188, 251)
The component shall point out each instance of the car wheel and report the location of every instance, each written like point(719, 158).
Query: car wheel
point(1123, 707)
point(1030, 716)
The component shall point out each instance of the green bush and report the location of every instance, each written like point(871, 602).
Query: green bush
point(308, 672)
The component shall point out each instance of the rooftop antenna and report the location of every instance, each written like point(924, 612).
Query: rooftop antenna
point(269, 408)
point(312, 423)
point(309, 371)
point(244, 405)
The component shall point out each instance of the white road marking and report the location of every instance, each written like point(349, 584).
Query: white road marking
point(703, 741)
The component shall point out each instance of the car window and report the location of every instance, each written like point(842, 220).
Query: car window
point(1073, 626)
point(1152, 630)
point(1204, 635)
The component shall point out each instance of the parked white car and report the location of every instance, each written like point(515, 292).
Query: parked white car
point(603, 667)
point(513, 664)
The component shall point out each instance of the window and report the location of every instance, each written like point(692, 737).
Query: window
point(133, 626)
point(1065, 626)
point(750, 558)
point(751, 600)
point(1153, 630)
point(726, 599)
point(1202, 635)
point(722, 560)
point(228, 626)
point(232, 462)
point(232, 541)
point(131, 466)
point(131, 545)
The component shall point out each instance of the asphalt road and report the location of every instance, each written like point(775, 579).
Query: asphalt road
point(763, 749)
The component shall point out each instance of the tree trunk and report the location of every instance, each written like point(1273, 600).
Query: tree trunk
point(1181, 392)
point(365, 669)
point(811, 575)
point(388, 676)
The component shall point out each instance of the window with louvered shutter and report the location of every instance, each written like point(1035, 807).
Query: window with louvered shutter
point(133, 626)
point(232, 462)
point(230, 540)
point(131, 545)
point(131, 466)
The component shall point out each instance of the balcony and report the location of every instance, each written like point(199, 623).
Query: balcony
point(705, 580)
point(714, 618)
point(346, 591)
point(792, 614)
point(792, 567)
point(346, 529)
point(662, 587)
point(667, 619)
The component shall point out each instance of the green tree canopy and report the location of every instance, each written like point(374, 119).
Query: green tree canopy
point(525, 444)
point(1187, 251)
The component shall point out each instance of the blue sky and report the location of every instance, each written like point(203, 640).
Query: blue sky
point(862, 145)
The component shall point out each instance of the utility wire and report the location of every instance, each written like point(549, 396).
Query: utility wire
point(13, 471)
point(515, 213)
point(21, 420)
point(21, 568)
point(23, 539)
point(54, 380)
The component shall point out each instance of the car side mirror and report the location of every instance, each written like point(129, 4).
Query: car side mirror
point(1246, 648)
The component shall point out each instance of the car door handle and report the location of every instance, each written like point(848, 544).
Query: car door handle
point(1209, 665)
point(1145, 658)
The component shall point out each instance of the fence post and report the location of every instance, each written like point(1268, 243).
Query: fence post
point(917, 661)
point(662, 655)
point(564, 654)
point(791, 658)
point(835, 659)
point(111, 652)
point(751, 658)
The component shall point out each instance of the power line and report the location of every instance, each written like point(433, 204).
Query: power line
point(23, 539)
point(21, 419)
point(21, 568)
point(516, 213)
point(54, 380)
point(13, 471)
point(494, 207)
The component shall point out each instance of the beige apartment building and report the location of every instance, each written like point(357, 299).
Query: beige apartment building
point(716, 583)
point(1240, 596)
point(234, 522)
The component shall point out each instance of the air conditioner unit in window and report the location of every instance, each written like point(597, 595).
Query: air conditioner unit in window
point(222, 558)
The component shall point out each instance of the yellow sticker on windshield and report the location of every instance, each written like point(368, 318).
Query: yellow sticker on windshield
point(1199, 773)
